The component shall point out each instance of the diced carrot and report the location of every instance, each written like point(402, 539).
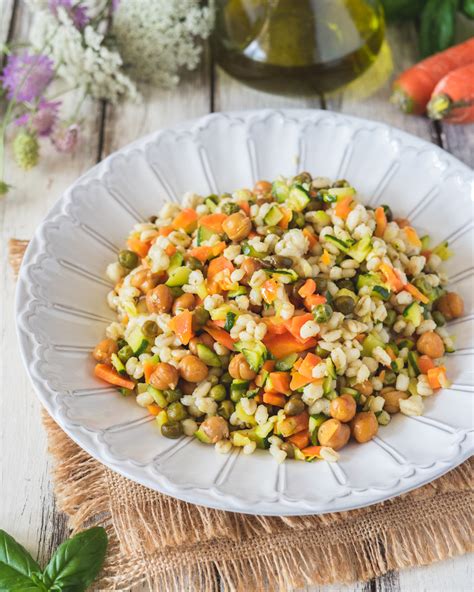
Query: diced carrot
point(308, 288)
point(283, 345)
point(258, 398)
point(182, 326)
point(311, 237)
point(220, 335)
point(148, 369)
point(381, 221)
point(186, 220)
point(300, 439)
point(170, 250)
point(217, 265)
point(297, 364)
point(299, 381)
point(274, 399)
point(154, 409)
point(139, 247)
point(412, 236)
point(325, 257)
point(245, 206)
point(310, 361)
point(416, 293)
point(295, 323)
point(312, 451)
point(213, 221)
point(269, 365)
point(390, 352)
point(391, 277)
point(203, 253)
point(425, 363)
point(343, 207)
point(293, 424)
point(280, 382)
point(269, 290)
point(287, 215)
point(165, 230)
point(110, 375)
point(314, 300)
point(437, 377)
point(275, 325)
point(360, 337)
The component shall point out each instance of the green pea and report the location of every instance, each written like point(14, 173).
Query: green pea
point(236, 395)
point(230, 208)
point(294, 406)
point(344, 304)
point(390, 378)
point(322, 313)
point(226, 408)
point(176, 411)
point(321, 285)
point(176, 291)
point(315, 205)
point(125, 353)
point(200, 317)
point(150, 330)
point(303, 177)
point(341, 183)
point(289, 449)
point(172, 395)
point(346, 283)
point(218, 393)
point(274, 230)
point(390, 318)
point(128, 259)
point(172, 430)
point(226, 378)
point(438, 318)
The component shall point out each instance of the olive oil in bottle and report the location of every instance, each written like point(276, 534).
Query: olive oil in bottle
point(297, 47)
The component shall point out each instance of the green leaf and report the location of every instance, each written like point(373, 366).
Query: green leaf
point(468, 8)
point(401, 10)
point(437, 26)
point(17, 566)
point(76, 562)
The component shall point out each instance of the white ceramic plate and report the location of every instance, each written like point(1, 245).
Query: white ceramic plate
point(62, 312)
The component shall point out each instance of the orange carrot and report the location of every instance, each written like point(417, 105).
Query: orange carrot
point(220, 335)
point(298, 381)
point(391, 277)
point(294, 424)
point(412, 236)
point(148, 369)
point(308, 288)
point(245, 206)
point(182, 326)
point(343, 207)
point(139, 247)
point(310, 361)
point(274, 399)
point(217, 265)
point(381, 220)
point(110, 375)
point(186, 220)
point(213, 221)
point(295, 323)
point(203, 253)
point(300, 439)
point(314, 300)
point(312, 451)
point(437, 377)
point(269, 365)
point(325, 257)
point(275, 325)
point(287, 215)
point(390, 352)
point(154, 409)
point(283, 345)
point(280, 382)
point(425, 363)
point(170, 250)
point(453, 97)
point(269, 290)
point(416, 293)
point(311, 237)
point(165, 230)
point(413, 88)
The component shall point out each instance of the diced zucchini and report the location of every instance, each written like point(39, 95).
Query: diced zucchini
point(245, 417)
point(299, 455)
point(425, 242)
point(125, 392)
point(286, 363)
point(252, 252)
point(176, 260)
point(331, 369)
point(413, 368)
point(220, 313)
point(136, 340)
point(240, 291)
point(229, 321)
point(431, 292)
point(178, 277)
point(315, 421)
point(361, 249)
point(407, 342)
point(343, 246)
point(209, 357)
point(414, 313)
point(280, 191)
point(381, 292)
point(412, 386)
point(161, 418)
point(204, 234)
point(201, 290)
point(240, 438)
point(273, 216)
point(352, 392)
point(327, 383)
point(339, 193)
point(118, 364)
point(202, 436)
point(285, 276)
point(442, 251)
point(254, 352)
point(210, 204)
point(369, 279)
point(142, 387)
point(238, 388)
point(298, 198)
point(322, 218)
point(158, 396)
point(370, 343)
point(331, 395)
point(265, 429)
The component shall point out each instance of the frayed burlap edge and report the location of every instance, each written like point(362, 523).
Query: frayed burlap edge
point(175, 546)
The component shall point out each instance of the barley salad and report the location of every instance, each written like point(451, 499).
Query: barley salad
point(289, 317)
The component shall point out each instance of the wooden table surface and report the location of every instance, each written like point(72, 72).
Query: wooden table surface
point(27, 507)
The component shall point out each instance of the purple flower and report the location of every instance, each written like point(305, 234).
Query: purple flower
point(115, 5)
point(65, 138)
point(77, 13)
point(26, 76)
point(41, 120)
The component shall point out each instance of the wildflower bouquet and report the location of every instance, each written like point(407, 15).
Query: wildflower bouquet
point(97, 48)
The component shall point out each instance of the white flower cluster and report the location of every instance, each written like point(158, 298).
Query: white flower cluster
point(156, 39)
point(82, 59)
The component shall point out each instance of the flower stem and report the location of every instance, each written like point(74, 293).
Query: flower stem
point(3, 133)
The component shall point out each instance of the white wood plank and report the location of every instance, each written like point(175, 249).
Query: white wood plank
point(459, 140)
point(451, 575)
point(6, 14)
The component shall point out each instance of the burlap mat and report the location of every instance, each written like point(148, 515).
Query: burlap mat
point(171, 545)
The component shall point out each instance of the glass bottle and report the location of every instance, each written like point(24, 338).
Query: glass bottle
point(297, 47)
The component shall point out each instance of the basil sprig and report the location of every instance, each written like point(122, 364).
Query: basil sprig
point(72, 568)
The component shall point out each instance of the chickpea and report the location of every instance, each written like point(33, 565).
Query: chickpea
point(431, 344)
point(184, 302)
point(262, 187)
point(165, 376)
point(392, 400)
point(249, 267)
point(239, 368)
point(451, 305)
point(193, 369)
point(160, 299)
point(237, 226)
point(204, 338)
point(402, 222)
point(364, 426)
point(103, 351)
point(334, 434)
point(365, 388)
point(216, 428)
point(144, 280)
point(343, 408)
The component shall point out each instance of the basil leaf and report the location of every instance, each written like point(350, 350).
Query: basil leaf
point(17, 566)
point(76, 562)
